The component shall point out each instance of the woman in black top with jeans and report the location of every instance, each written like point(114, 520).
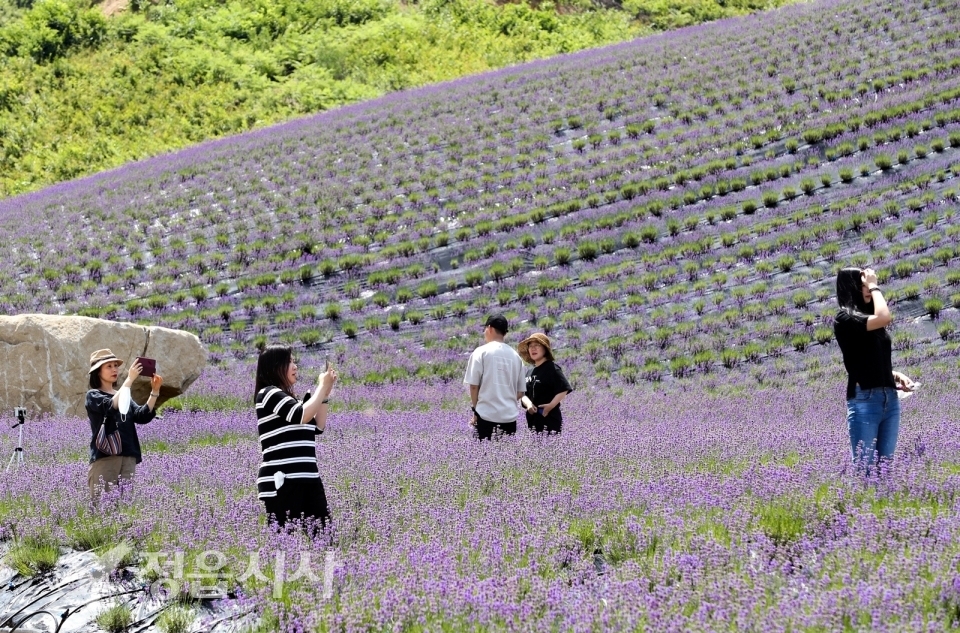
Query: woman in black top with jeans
point(546, 386)
point(873, 405)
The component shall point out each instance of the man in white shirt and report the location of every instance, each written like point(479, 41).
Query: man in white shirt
point(497, 381)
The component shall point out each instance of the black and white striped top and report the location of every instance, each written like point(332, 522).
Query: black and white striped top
point(287, 445)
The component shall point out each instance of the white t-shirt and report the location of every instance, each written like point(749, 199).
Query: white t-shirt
point(498, 369)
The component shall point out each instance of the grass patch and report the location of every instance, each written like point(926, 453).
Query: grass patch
point(115, 619)
point(617, 536)
point(176, 619)
point(205, 402)
point(781, 521)
point(709, 524)
point(719, 466)
point(156, 446)
point(33, 555)
point(87, 531)
point(901, 504)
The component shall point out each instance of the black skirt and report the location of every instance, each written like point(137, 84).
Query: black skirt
point(299, 499)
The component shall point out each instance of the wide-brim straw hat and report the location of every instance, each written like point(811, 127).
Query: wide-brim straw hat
point(538, 338)
point(100, 357)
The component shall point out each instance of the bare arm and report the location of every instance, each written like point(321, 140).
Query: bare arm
point(903, 381)
point(156, 381)
point(315, 408)
point(881, 316)
point(132, 375)
point(474, 395)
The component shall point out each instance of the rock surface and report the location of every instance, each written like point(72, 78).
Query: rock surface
point(44, 360)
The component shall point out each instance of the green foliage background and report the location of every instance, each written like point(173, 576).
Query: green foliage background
point(81, 92)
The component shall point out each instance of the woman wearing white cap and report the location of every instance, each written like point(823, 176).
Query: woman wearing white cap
point(103, 408)
point(546, 385)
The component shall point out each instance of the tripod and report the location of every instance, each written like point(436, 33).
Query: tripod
point(17, 455)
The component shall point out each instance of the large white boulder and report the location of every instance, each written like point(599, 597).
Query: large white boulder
point(45, 360)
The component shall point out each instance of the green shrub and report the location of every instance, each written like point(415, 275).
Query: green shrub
point(427, 289)
point(934, 307)
point(729, 358)
point(786, 263)
point(116, 618)
point(473, 278)
point(309, 337)
point(801, 298)
point(587, 251)
point(946, 330)
point(823, 335)
point(177, 618)
point(903, 269)
point(33, 555)
point(910, 292)
point(800, 342)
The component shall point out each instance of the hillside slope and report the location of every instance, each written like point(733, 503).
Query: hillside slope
point(80, 92)
point(672, 207)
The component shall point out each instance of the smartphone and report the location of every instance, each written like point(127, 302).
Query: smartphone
point(148, 365)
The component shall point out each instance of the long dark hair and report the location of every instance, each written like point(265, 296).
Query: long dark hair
point(850, 292)
point(272, 369)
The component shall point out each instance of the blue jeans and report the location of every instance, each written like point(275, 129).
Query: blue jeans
point(873, 419)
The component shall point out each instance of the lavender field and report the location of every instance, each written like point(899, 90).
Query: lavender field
point(672, 211)
point(666, 510)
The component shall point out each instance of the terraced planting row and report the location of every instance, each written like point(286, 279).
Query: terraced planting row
point(684, 200)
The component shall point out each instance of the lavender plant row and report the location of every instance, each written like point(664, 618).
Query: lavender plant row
point(648, 184)
point(670, 510)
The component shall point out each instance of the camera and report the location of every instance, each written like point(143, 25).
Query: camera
point(20, 413)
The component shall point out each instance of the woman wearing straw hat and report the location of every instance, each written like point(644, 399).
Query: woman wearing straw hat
point(546, 385)
point(103, 408)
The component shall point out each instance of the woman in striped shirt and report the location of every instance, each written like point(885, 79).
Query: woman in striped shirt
point(289, 482)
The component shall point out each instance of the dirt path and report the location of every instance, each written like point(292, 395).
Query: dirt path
point(113, 7)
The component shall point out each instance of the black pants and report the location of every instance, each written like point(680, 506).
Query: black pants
point(487, 430)
point(299, 499)
point(551, 425)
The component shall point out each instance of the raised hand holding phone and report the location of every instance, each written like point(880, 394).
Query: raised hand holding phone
point(148, 366)
point(326, 380)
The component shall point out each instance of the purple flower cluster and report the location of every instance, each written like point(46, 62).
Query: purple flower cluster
point(707, 506)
